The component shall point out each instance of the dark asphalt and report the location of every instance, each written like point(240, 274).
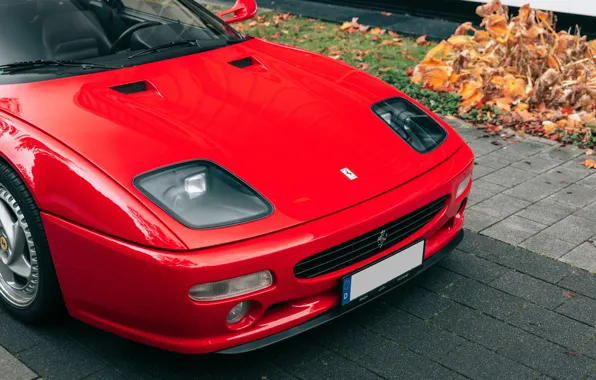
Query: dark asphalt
point(489, 311)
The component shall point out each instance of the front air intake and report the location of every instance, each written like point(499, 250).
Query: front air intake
point(416, 127)
point(367, 245)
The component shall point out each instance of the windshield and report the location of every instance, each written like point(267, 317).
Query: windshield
point(104, 30)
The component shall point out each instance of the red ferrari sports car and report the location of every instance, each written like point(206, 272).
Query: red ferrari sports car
point(170, 180)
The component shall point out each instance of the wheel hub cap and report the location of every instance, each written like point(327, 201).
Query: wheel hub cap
point(18, 260)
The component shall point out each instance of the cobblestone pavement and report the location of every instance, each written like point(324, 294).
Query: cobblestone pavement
point(488, 311)
point(534, 195)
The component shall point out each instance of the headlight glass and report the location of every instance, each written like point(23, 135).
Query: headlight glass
point(202, 195)
point(412, 124)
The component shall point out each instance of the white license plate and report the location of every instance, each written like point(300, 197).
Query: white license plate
point(378, 274)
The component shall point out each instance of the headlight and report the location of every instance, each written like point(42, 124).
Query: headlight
point(463, 186)
point(213, 291)
point(412, 124)
point(202, 195)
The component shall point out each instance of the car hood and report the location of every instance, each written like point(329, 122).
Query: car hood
point(284, 120)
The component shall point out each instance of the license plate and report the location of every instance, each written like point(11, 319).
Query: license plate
point(378, 274)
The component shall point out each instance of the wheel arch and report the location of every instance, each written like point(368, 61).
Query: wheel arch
point(66, 185)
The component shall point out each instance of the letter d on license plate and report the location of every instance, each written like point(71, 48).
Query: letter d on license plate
point(358, 284)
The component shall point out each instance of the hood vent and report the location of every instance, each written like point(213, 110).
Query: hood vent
point(248, 62)
point(134, 88)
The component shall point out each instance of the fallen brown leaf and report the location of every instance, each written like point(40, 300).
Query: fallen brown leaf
point(591, 164)
point(422, 41)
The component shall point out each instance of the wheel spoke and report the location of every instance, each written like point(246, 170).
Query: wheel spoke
point(16, 240)
point(6, 220)
point(6, 274)
point(20, 266)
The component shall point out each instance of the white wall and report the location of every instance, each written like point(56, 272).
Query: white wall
point(580, 7)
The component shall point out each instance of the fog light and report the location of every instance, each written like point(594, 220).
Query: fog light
point(238, 312)
point(213, 291)
point(463, 186)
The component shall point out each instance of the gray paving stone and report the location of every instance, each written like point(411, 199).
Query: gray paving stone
point(538, 163)
point(12, 369)
point(546, 211)
point(61, 359)
point(397, 363)
point(531, 289)
point(547, 357)
point(417, 335)
point(482, 190)
point(589, 181)
point(482, 246)
point(553, 326)
point(472, 266)
point(580, 308)
point(588, 212)
point(468, 133)
point(106, 374)
point(437, 279)
point(476, 326)
point(481, 170)
point(373, 312)
point(583, 257)
point(332, 366)
point(572, 229)
point(16, 336)
point(477, 362)
point(535, 265)
point(547, 245)
point(532, 190)
point(484, 298)
point(297, 352)
point(581, 282)
point(509, 176)
point(514, 230)
point(575, 195)
point(477, 221)
point(493, 160)
point(589, 349)
point(348, 339)
point(417, 301)
point(480, 147)
point(500, 206)
point(562, 176)
point(562, 154)
point(523, 150)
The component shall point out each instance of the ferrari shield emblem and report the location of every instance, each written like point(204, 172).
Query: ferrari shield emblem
point(348, 173)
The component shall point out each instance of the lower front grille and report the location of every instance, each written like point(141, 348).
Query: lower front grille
point(369, 244)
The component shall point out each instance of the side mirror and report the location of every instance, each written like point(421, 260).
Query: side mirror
point(242, 10)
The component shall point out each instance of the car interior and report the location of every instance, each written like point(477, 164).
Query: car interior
point(84, 29)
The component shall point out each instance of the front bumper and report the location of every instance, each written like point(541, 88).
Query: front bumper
point(142, 293)
point(341, 310)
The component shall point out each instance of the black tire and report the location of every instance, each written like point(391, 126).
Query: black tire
point(47, 303)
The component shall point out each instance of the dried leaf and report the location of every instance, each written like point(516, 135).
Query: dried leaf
point(591, 164)
point(569, 294)
point(377, 31)
point(346, 25)
point(422, 41)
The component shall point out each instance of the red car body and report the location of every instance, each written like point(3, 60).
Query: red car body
point(285, 125)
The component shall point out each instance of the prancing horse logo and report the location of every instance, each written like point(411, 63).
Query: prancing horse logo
point(382, 238)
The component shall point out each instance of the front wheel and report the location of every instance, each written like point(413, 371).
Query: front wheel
point(28, 285)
